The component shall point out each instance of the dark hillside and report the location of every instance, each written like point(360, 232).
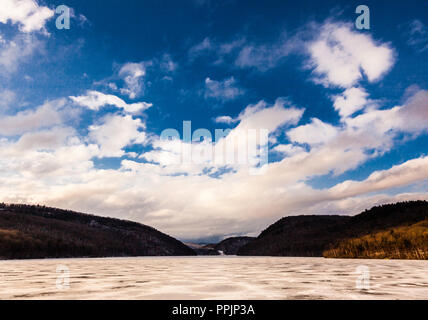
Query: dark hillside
point(296, 236)
point(42, 232)
point(230, 246)
point(312, 235)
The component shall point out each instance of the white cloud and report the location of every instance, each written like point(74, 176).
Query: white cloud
point(288, 149)
point(18, 50)
point(225, 150)
point(350, 101)
point(94, 100)
point(404, 174)
point(168, 154)
point(54, 154)
point(407, 118)
point(132, 77)
point(54, 167)
point(26, 13)
point(256, 118)
point(262, 116)
point(225, 119)
point(414, 112)
point(116, 132)
point(313, 133)
point(223, 90)
point(44, 161)
point(340, 57)
point(132, 74)
point(47, 115)
point(45, 139)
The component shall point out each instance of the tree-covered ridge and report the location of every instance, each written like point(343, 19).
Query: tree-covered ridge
point(314, 235)
point(32, 231)
point(409, 242)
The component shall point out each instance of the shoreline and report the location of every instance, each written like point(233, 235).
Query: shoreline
point(208, 257)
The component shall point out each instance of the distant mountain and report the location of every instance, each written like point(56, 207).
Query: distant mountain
point(42, 232)
point(230, 246)
point(313, 235)
point(203, 249)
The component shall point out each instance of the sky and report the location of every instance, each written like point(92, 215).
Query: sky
point(117, 114)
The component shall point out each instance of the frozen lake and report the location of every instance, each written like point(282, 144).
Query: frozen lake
point(213, 278)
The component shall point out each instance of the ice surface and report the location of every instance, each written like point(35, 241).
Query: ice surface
point(220, 277)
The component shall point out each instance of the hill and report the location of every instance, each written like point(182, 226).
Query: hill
point(409, 242)
point(230, 246)
point(305, 236)
point(41, 232)
point(203, 249)
point(312, 235)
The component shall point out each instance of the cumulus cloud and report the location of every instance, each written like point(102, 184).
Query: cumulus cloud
point(116, 132)
point(225, 90)
point(232, 148)
point(94, 100)
point(49, 114)
point(57, 170)
point(341, 57)
point(44, 139)
point(28, 14)
point(54, 153)
point(44, 160)
point(350, 101)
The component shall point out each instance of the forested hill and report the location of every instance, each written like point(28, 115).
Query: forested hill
point(230, 246)
point(41, 232)
point(332, 235)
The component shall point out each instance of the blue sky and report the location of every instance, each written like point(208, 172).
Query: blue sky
point(83, 109)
